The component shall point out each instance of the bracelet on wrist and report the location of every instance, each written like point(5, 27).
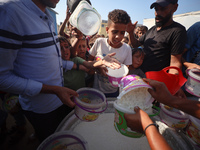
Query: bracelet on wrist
point(154, 124)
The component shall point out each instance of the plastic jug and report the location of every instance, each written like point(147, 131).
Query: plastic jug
point(172, 81)
point(85, 18)
point(72, 4)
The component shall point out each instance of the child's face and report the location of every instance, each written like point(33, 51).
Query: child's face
point(140, 33)
point(116, 34)
point(137, 59)
point(81, 50)
point(65, 50)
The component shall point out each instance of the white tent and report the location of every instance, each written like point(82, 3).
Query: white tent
point(186, 19)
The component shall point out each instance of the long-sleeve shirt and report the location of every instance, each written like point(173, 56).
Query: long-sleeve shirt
point(29, 55)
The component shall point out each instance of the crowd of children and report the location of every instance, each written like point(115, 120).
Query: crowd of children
point(96, 47)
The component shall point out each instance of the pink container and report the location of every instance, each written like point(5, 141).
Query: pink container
point(115, 75)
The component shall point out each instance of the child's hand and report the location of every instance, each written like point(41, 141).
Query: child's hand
point(111, 62)
point(77, 33)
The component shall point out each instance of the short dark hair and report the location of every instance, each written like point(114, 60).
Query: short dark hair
point(143, 28)
point(118, 16)
point(63, 39)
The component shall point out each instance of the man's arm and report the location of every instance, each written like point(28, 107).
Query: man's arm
point(189, 65)
point(132, 40)
point(191, 107)
point(175, 61)
point(63, 93)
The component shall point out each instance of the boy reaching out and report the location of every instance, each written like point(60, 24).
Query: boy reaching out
point(75, 79)
point(117, 24)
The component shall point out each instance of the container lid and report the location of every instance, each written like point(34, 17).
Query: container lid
point(64, 140)
point(117, 73)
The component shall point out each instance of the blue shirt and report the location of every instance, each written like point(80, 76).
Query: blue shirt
point(67, 65)
point(193, 44)
point(29, 55)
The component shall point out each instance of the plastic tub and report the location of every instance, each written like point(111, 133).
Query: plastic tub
point(89, 104)
point(132, 82)
point(120, 122)
point(173, 117)
point(193, 83)
point(85, 18)
point(64, 140)
point(193, 130)
point(115, 75)
point(72, 4)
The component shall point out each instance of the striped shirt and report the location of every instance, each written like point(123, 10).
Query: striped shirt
point(29, 55)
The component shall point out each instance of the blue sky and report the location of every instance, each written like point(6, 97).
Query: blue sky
point(138, 10)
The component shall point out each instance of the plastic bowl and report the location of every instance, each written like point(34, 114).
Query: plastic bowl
point(89, 104)
point(173, 117)
point(64, 140)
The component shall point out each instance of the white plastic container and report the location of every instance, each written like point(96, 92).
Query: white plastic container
point(120, 122)
point(85, 18)
point(89, 104)
point(193, 83)
point(64, 140)
point(115, 75)
point(193, 130)
point(173, 117)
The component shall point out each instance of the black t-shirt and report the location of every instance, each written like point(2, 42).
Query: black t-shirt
point(160, 45)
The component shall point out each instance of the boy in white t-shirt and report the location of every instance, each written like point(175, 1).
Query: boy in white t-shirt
point(116, 27)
